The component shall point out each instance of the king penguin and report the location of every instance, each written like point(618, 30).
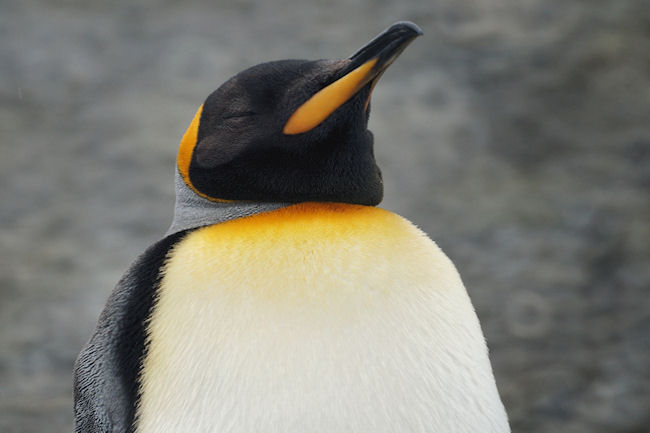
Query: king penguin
point(282, 300)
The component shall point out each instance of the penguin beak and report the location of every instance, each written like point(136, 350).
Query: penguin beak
point(363, 67)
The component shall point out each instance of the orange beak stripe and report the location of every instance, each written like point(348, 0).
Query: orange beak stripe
point(323, 103)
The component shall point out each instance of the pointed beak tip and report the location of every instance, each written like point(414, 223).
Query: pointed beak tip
point(393, 39)
point(407, 26)
point(363, 67)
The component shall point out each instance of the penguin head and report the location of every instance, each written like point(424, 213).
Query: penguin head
point(292, 130)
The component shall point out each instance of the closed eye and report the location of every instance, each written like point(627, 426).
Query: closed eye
point(239, 114)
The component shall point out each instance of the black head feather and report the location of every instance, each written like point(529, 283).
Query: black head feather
point(242, 153)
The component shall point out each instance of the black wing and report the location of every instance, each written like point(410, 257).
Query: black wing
point(106, 371)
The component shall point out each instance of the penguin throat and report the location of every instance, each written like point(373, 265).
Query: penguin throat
point(192, 211)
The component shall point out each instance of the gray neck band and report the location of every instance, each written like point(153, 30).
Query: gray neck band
point(193, 211)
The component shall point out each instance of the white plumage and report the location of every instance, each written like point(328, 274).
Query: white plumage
point(315, 318)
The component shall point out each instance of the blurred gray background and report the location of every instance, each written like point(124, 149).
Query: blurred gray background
point(515, 132)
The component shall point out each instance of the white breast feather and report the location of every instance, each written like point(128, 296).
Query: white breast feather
point(355, 333)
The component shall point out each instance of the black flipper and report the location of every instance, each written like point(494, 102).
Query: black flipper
point(107, 369)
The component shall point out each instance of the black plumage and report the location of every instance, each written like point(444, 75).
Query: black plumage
point(107, 369)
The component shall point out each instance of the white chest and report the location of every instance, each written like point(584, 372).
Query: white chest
point(301, 332)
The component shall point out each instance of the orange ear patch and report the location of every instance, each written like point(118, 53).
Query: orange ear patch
point(317, 108)
point(186, 148)
point(184, 157)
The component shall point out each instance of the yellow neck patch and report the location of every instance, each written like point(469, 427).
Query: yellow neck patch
point(314, 221)
point(286, 250)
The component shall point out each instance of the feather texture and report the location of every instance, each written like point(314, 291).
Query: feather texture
point(315, 318)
